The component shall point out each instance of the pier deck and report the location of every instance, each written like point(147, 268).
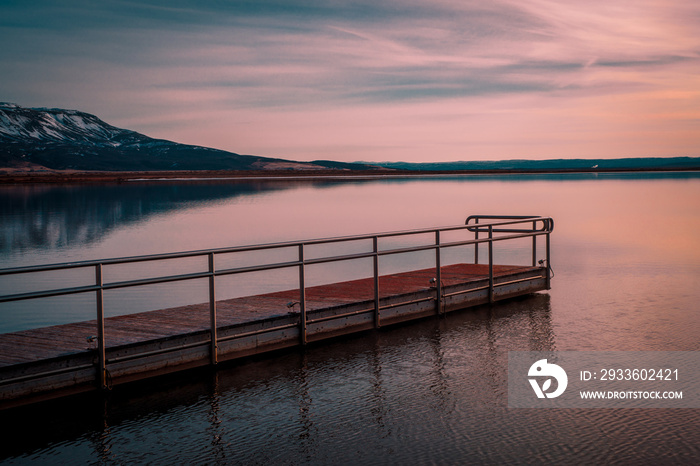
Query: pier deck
point(178, 338)
point(62, 359)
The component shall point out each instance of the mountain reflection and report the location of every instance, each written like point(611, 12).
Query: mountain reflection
point(51, 217)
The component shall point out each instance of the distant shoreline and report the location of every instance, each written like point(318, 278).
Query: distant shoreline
point(22, 177)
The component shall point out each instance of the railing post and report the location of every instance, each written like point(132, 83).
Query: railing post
point(476, 245)
point(549, 264)
point(99, 298)
point(302, 296)
point(491, 295)
point(375, 258)
point(534, 244)
point(438, 272)
point(212, 311)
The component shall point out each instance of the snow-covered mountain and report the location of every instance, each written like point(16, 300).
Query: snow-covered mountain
point(53, 125)
point(59, 139)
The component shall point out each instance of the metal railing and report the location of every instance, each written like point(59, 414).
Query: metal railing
point(498, 228)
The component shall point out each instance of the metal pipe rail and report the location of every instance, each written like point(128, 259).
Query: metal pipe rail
point(476, 227)
point(508, 228)
point(547, 223)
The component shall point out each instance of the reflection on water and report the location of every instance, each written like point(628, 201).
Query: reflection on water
point(432, 391)
point(626, 260)
point(55, 216)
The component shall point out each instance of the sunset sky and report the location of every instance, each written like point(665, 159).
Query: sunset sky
point(369, 80)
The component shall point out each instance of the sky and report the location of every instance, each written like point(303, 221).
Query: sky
point(368, 80)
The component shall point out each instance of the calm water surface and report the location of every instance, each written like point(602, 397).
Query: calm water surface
point(626, 258)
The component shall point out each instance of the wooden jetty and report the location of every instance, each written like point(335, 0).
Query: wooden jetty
point(63, 359)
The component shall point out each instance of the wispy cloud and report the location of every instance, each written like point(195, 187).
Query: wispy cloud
point(397, 79)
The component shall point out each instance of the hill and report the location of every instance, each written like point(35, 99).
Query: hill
point(58, 139)
point(555, 165)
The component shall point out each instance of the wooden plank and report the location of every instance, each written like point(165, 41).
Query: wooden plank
point(60, 340)
point(56, 360)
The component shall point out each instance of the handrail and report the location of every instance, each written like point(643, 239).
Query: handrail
point(258, 247)
point(508, 228)
point(547, 223)
point(476, 227)
point(237, 270)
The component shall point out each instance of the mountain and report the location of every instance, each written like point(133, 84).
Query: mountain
point(45, 139)
point(59, 139)
point(647, 163)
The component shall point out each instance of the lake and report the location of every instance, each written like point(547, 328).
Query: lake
point(626, 262)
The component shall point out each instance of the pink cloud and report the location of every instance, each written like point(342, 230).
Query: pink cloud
point(438, 81)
